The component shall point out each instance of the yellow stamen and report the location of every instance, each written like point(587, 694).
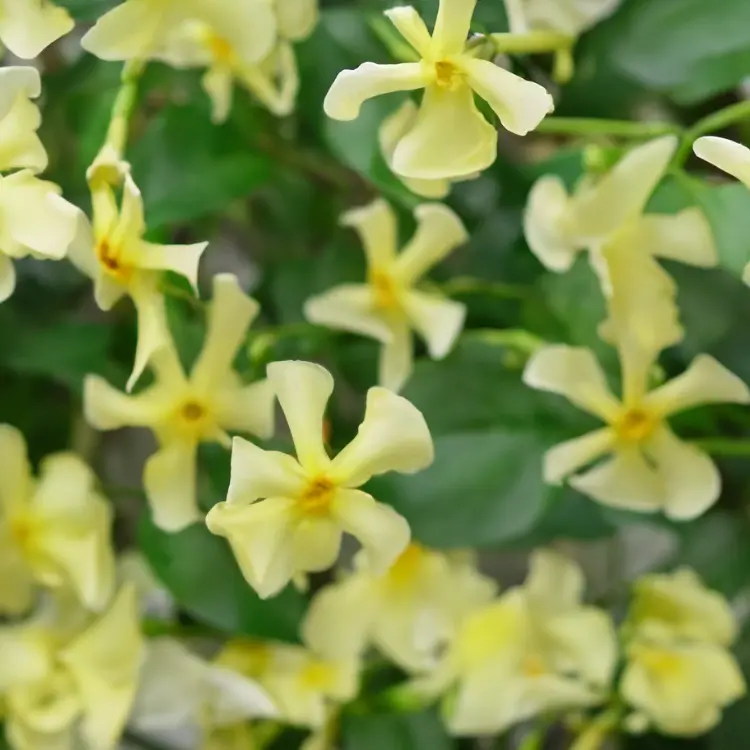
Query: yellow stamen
point(448, 76)
point(318, 675)
point(384, 290)
point(317, 497)
point(108, 256)
point(635, 425)
point(220, 48)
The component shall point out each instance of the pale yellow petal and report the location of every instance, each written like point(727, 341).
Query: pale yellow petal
point(274, 82)
point(622, 194)
point(315, 544)
point(411, 26)
point(575, 373)
point(381, 531)
point(296, 18)
point(130, 223)
point(339, 620)
point(685, 236)
point(153, 329)
point(706, 381)
point(107, 291)
point(26, 28)
point(7, 277)
point(396, 357)
point(425, 153)
point(692, 483)
point(15, 81)
point(81, 252)
point(439, 232)
point(303, 390)
point(17, 586)
point(106, 408)
point(15, 470)
point(261, 539)
point(169, 480)
point(349, 307)
point(626, 481)
point(257, 473)
point(732, 158)
point(248, 28)
point(180, 259)
point(566, 458)
point(437, 320)
point(218, 83)
point(105, 662)
point(377, 227)
point(521, 105)
point(353, 87)
point(35, 217)
point(248, 408)
point(130, 30)
point(545, 223)
point(393, 436)
point(391, 130)
point(451, 27)
point(25, 656)
point(229, 316)
point(484, 703)
point(555, 582)
point(20, 146)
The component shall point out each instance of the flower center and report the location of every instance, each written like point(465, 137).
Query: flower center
point(108, 258)
point(191, 419)
point(249, 658)
point(635, 425)
point(22, 530)
point(384, 290)
point(220, 48)
point(404, 571)
point(661, 663)
point(317, 497)
point(318, 675)
point(533, 665)
point(447, 75)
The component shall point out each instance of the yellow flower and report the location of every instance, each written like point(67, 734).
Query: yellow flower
point(678, 603)
point(388, 306)
point(20, 146)
point(536, 649)
point(310, 501)
point(61, 677)
point(54, 531)
point(409, 612)
point(27, 27)
point(302, 685)
point(272, 78)
point(295, 19)
point(610, 210)
point(570, 17)
point(391, 131)
point(179, 690)
point(185, 411)
point(114, 254)
point(650, 468)
point(733, 158)
point(679, 687)
point(451, 75)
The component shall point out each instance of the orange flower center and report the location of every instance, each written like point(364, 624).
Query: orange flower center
point(108, 257)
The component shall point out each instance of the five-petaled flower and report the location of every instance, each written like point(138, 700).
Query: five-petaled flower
point(388, 306)
point(285, 517)
point(450, 137)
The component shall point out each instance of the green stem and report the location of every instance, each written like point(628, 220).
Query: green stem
point(614, 128)
point(533, 42)
point(723, 446)
point(534, 740)
point(122, 110)
point(709, 124)
point(512, 338)
point(470, 285)
point(157, 628)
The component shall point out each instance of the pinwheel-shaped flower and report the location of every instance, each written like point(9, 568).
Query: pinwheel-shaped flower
point(650, 468)
point(114, 254)
point(537, 648)
point(54, 531)
point(388, 306)
point(185, 411)
point(63, 680)
point(450, 137)
point(410, 612)
point(28, 26)
point(306, 504)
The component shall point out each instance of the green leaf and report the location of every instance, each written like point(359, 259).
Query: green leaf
point(87, 10)
point(422, 731)
point(199, 570)
point(692, 49)
point(484, 488)
point(187, 167)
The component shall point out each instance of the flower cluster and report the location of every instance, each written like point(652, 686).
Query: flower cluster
point(81, 664)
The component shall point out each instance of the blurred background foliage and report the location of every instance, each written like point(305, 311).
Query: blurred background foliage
point(268, 193)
